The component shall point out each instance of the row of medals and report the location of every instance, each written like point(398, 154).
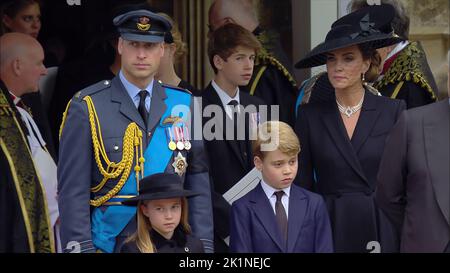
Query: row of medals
point(180, 143)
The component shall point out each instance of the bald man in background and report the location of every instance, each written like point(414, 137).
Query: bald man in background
point(271, 80)
point(22, 144)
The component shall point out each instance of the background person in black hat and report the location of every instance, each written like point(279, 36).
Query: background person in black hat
point(115, 132)
point(342, 140)
point(162, 217)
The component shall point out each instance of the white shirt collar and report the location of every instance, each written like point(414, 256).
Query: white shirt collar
point(16, 99)
point(397, 49)
point(269, 190)
point(224, 97)
point(132, 89)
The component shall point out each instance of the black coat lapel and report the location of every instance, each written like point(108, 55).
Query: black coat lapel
point(436, 138)
point(213, 99)
point(247, 144)
point(338, 134)
point(157, 105)
point(120, 95)
point(367, 119)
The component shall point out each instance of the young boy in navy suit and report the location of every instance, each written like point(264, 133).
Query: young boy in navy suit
point(278, 216)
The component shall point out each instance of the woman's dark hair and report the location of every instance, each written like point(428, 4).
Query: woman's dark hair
point(11, 8)
point(369, 53)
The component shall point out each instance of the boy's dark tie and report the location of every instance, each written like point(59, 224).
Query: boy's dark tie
point(142, 110)
point(236, 118)
point(234, 103)
point(234, 115)
point(281, 216)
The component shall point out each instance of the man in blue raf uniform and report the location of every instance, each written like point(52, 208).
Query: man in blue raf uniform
point(116, 132)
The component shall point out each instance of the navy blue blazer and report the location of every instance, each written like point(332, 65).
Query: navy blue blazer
point(254, 228)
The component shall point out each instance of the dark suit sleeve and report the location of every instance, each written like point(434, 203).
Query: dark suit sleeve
point(400, 108)
point(415, 95)
point(195, 245)
point(221, 211)
point(74, 179)
point(390, 194)
point(323, 242)
point(66, 86)
point(240, 237)
point(129, 247)
point(197, 179)
point(305, 174)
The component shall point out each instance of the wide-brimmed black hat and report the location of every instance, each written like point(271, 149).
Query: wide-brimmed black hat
point(370, 25)
point(159, 186)
point(382, 15)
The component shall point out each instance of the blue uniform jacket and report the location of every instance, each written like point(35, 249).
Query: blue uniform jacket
point(78, 171)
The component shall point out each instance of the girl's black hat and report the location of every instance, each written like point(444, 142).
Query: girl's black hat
point(159, 186)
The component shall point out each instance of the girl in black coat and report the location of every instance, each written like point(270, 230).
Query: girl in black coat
point(162, 218)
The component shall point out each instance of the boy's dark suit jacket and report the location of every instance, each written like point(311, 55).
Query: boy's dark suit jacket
point(254, 228)
point(229, 161)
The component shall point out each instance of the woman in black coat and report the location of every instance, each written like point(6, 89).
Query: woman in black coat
point(342, 140)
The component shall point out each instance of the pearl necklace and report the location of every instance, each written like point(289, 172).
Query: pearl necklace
point(349, 111)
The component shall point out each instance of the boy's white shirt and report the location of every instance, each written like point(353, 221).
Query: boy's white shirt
point(225, 98)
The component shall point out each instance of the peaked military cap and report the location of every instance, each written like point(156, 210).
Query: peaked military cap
point(142, 25)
